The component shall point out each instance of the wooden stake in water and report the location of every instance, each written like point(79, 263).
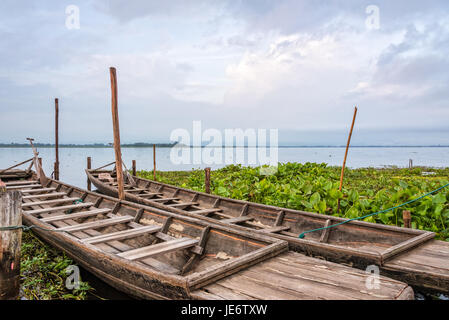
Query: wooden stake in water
point(89, 166)
point(207, 180)
point(134, 168)
point(116, 127)
point(407, 217)
point(346, 155)
point(10, 242)
point(154, 162)
point(56, 169)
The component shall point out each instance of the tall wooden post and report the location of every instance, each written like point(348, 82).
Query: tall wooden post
point(89, 166)
point(207, 180)
point(56, 170)
point(10, 242)
point(346, 155)
point(154, 162)
point(407, 217)
point(115, 123)
point(134, 168)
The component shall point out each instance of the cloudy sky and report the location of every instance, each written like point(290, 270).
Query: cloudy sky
point(293, 65)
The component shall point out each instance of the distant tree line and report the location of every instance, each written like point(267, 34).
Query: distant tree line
point(92, 145)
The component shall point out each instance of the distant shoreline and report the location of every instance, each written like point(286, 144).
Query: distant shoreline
point(172, 145)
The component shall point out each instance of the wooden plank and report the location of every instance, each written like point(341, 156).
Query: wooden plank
point(404, 246)
point(97, 224)
point(22, 182)
point(82, 214)
point(23, 186)
point(159, 248)
point(53, 209)
point(37, 190)
point(275, 229)
point(121, 235)
point(280, 218)
point(56, 201)
point(163, 199)
point(325, 234)
point(206, 211)
point(237, 219)
point(182, 204)
point(45, 195)
point(151, 194)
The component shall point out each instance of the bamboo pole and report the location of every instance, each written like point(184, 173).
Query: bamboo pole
point(154, 162)
point(89, 166)
point(56, 170)
point(10, 242)
point(207, 180)
point(346, 155)
point(134, 168)
point(116, 127)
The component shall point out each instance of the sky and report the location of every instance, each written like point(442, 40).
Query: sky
point(292, 65)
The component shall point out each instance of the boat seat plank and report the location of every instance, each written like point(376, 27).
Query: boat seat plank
point(182, 204)
point(122, 235)
point(159, 248)
point(144, 195)
point(23, 186)
point(97, 224)
point(206, 211)
point(23, 182)
point(165, 199)
point(53, 209)
point(275, 229)
point(237, 219)
point(38, 190)
point(47, 202)
point(82, 214)
point(45, 195)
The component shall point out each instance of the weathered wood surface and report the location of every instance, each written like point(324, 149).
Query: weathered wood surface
point(357, 243)
point(151, 277)
point(10, 242)
point(426, 267)
point(292, 276)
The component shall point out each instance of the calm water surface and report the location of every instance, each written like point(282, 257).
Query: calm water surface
point(73, 160)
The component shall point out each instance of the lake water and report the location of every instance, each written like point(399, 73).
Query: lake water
point(73, 160)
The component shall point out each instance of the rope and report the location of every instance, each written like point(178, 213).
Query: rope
point(302, 235)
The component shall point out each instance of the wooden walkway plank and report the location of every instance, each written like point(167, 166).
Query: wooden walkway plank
point(237, 219)
point(23, 186)
point(22, 182)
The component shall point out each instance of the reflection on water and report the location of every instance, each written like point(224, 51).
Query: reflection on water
point(73, 160)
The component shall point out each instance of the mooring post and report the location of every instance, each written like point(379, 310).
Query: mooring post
point(56, 170)
point(115, 123)
point(207, 179)
point(154, 162)
point(134, 169)
point(89, 166)
point(407, 217)
point(10, 242)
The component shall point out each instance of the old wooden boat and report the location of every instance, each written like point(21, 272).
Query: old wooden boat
point(409, 255)
point(151, 253)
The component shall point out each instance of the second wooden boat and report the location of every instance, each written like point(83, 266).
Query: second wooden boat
point(408, 255)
